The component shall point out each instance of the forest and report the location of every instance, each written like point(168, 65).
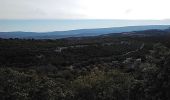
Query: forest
point(86, 68)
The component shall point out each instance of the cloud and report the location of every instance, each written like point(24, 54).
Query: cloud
point(128, 11)
point(84, 9)
point(39, 9)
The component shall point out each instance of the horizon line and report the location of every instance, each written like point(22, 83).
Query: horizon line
point(91, 28)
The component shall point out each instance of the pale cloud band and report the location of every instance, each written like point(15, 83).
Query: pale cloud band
point(84, 9)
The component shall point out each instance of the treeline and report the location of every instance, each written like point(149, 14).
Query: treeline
point(26, 53)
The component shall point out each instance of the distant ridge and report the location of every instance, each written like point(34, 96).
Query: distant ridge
point(80, 32)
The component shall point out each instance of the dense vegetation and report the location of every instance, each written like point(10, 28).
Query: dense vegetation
point(93, 68)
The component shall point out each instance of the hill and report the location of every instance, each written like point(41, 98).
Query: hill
point(80, 32)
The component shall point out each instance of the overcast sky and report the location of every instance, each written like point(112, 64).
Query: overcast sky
point(58, 15)
point(85, 9)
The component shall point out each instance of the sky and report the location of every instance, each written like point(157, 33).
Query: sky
point(64, 25)
point(49, 15)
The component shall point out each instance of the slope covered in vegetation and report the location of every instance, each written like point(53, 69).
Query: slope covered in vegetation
point(95, 68)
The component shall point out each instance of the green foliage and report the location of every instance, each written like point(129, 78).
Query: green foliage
point(99, 85)
point(17, 85)
point(102, 70)
point(155, 75)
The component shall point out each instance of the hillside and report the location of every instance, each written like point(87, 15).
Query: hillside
point(133, 66)
point(79, 33)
